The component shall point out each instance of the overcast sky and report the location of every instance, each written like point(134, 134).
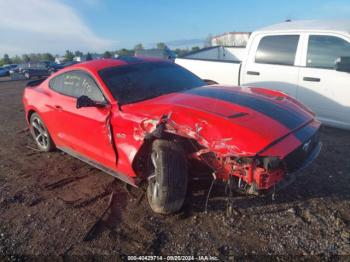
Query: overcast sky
point(32, 26)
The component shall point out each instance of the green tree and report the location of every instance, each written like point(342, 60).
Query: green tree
point(68, 56)
point(125, 52)
point(78, 53)
point(88, 57)
point(35, 57)
point(138, 47)
point(181, 52)
point(25, 58)
point(6, 59)
point(107, 54)
point(47, 57)
point(161, 46)
point(195, 49)
point(16, 60)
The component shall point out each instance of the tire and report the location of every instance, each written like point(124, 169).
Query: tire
point(27, 75)
point(40, 134)
point(167, 185)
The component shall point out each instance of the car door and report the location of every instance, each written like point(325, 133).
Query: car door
point(322, 88)
point(85, 131)
point(271, 63)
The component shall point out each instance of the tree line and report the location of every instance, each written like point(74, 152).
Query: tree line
point(70, 55)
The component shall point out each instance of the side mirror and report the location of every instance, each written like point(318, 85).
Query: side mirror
point(343, 65)
point(85, 101)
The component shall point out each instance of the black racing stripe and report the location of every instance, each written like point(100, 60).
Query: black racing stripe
point(288, 118)
point(306, 133)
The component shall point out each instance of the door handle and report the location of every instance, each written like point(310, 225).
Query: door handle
point(254, 73)
point(311, 79)
point(58, 107)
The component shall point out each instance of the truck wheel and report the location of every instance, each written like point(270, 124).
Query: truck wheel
point(41, 134)
point(167, 184)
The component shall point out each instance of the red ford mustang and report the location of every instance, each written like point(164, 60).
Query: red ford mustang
point(151, 120)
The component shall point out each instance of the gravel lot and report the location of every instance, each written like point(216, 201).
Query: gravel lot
point(38, 217)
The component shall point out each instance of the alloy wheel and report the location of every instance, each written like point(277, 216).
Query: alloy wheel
point(40, 133)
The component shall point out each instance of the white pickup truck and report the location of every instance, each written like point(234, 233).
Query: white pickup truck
point(309, 60)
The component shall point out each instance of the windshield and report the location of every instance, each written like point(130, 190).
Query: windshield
point(137, 82)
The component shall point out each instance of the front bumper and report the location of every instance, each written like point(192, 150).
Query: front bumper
point(291, 177)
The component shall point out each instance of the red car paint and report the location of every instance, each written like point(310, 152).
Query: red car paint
point(228, 123)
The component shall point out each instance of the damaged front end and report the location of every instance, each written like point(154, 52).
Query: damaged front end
point(248, 172)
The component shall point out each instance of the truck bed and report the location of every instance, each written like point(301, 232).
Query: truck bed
point(223, 72)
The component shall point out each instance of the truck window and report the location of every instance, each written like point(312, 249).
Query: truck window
point(277, 49)
point(324, 51)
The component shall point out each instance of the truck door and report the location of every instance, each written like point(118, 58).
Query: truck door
point(271, 63)
point(322, 88)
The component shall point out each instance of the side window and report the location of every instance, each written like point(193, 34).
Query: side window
point(56, 84)
point(76, 84)
point(324, 51)
point(88, 87)
point(277, 49)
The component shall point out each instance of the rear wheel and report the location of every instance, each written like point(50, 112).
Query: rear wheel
point(167, 185)
point(41, 134)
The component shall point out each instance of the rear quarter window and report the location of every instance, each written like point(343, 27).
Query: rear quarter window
point(76, 84)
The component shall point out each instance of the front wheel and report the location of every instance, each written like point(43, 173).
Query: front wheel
point(167, 184)
point(41, 134)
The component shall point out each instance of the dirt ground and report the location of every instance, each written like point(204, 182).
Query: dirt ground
point(41, 217)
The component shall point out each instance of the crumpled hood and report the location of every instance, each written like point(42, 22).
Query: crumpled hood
point(240, 120)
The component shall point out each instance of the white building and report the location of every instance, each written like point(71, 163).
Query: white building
point(231, 39)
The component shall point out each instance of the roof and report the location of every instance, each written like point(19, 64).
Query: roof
point(311, 25)
point(99, 64)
